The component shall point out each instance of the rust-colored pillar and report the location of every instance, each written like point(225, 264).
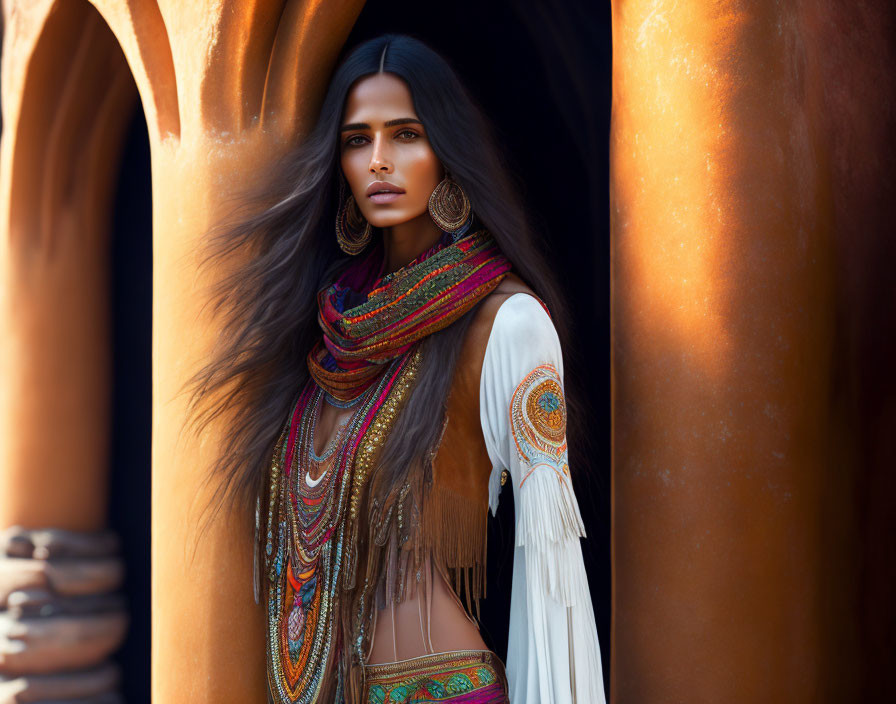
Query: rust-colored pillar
point(737, 176)
point(850, 54)
point(226, 86)
point(250, 78)
point(67, 98)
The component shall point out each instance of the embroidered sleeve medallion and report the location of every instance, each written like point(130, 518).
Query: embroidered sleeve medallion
point(538, 421)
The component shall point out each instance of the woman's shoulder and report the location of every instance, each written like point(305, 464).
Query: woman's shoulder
point(519, 314)
point(509, 286)
point(510, 316)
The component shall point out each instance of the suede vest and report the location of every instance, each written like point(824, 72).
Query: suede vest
point(457, 504)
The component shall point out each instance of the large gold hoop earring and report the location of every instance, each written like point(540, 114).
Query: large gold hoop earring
point(449, 206)
point(353, 232)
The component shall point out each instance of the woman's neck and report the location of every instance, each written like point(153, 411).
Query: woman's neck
point(405, 242)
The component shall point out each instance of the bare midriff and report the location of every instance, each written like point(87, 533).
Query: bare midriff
point(428, 620)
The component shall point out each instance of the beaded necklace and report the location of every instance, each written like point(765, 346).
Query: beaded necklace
point(306, 567)
point(307, 550)
point(333, 401)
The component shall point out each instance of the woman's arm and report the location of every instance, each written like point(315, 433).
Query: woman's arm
point(553, 654)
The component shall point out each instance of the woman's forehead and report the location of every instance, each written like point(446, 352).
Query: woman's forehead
point(378, 98)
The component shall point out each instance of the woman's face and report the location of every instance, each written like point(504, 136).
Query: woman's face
point(383, 145)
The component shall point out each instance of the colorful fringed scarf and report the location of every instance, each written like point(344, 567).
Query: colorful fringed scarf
point(371, 326)
point(401, 308)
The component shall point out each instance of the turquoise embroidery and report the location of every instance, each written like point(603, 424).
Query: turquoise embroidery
point(538, 421)
point(458, 684)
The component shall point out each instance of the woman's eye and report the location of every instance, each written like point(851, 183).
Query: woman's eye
point(359, 139)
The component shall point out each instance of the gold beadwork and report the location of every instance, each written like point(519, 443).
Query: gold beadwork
point(449, 206)
point(546, 411)
point(538, 421)
point(378, 430)
point(353, 231)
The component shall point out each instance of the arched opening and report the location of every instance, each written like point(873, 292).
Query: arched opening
point(130, 298)
point(72, 452)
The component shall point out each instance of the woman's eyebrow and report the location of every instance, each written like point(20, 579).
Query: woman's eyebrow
point(388, 123)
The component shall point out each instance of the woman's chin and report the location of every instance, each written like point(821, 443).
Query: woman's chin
point(391, 220)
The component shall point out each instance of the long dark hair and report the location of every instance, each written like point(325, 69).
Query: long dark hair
point(287, 249)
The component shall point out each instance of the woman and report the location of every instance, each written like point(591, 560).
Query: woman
point(403, 365)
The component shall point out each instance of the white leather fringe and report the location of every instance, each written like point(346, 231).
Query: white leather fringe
point(553, 654)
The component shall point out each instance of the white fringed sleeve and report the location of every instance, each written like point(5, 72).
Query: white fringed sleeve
point(553, 655)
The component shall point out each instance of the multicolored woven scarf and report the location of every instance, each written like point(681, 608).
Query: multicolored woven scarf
point(369, 320)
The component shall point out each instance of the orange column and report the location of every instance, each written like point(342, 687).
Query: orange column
point(850, 54)
point(734, 466)
point(67, 98)
point(226, 86)
point(250, 78)
point(722, 292)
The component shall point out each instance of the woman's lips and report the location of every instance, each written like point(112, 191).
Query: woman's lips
point(384, 197)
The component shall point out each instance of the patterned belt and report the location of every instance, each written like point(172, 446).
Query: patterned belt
point(457, 676)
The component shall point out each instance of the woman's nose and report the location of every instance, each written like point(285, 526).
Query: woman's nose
point(379, 160)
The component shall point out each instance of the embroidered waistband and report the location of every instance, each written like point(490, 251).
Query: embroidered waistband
point(468, 676)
